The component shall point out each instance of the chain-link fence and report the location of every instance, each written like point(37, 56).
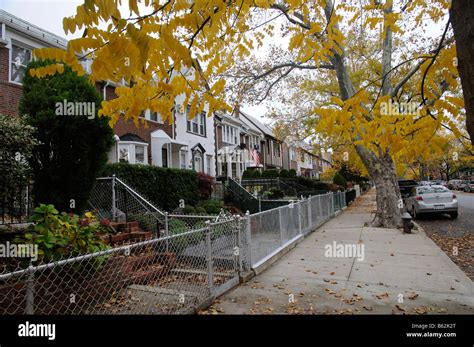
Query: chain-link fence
point(173, 274)
point(189, 261)
point(273, 230)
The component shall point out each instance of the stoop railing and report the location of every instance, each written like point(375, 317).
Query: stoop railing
point(113, 199)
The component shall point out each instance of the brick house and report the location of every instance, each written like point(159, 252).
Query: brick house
point(18, 38)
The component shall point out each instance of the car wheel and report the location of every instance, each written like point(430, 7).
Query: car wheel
point(454, 215)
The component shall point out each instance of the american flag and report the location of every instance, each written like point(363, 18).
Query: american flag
point(256, 156)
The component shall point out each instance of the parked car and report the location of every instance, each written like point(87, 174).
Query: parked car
point(462, 185)
point(424, 183)
point(432, 199)
point(406, 186)
point(469, 187)
point(454, 184)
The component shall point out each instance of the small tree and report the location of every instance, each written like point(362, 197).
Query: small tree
point(74, 141)
point(340, 180)
point(292, 173)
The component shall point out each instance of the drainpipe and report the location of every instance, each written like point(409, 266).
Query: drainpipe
point(105, 90)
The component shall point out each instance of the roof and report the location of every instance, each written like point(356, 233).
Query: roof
point(31, 30)
point(131, 138)
point(262, 127)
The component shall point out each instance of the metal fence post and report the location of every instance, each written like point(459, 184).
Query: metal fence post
point(248, 233)
point(114, 200)
point(299, 216)
point(167, 233)
point(320, 208)
point(238, 242)
point(310, 218)
point(210, 276)
point(280, 222)
point(30, 291)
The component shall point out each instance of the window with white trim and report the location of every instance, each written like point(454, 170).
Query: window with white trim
point(230, 134)
point(209, 164)
point(20, 57)
point(140, 154)
point(197, 125)
point(182, 160)
point(292, 154)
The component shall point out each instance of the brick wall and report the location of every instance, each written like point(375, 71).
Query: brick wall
point(10, 93)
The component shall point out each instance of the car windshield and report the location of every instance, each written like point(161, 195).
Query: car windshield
point(432, 189)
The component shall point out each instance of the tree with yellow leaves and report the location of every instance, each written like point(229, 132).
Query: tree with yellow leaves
point(373, 105)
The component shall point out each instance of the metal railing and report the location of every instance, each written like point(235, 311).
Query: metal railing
point(113, 199)
point(16, 204)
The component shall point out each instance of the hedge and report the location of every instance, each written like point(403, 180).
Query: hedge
point(164, 187)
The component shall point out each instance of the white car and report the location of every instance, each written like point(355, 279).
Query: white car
point(432, 199)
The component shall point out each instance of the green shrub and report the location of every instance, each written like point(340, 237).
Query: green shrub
point(270, 173)
point(200, 210)
point(164, 187)
point(15, 137)
point(188, 209)
point(292, 173)
point(176, 227)
point(61, 236)
point(73, 148)
point(340, 180)
point(284, 173)
point(274, 193)
point(146, 221)
point(212, 206)
point(251, 173)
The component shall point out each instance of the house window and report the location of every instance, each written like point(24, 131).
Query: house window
point(230, 134)
point(124, 154)
point(197, 125)
point(20, 58)
point(253, 142)
point(155, 117)
point(292, 154)
point(276, 149)
point(198, 162)
point(164, 157)
point(140, 154)
point(208, 164)
point(182, 160)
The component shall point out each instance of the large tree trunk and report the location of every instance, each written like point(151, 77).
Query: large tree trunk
point(462, 19)
point(383, 173)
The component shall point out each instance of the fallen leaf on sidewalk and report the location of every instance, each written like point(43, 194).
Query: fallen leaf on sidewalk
point(333, 282)
point(400, 308)
point(413, 296)
point(332, 273)
point(381, 296)
point(367, 308)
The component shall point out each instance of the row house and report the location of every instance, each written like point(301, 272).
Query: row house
point(299, 156)
point(186, 143)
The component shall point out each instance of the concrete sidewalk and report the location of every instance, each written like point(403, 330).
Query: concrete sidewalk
point(400, 274)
